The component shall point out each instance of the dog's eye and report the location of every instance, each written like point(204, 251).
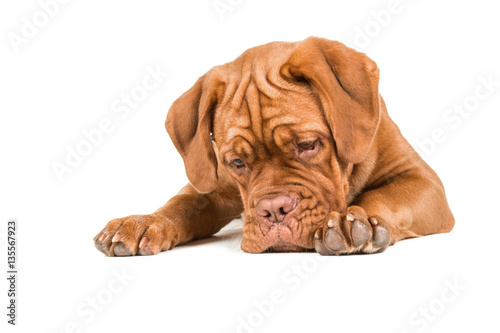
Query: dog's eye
point(238, 163)
point(307, 145)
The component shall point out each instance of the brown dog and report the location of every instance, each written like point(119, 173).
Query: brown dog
point(296, 137)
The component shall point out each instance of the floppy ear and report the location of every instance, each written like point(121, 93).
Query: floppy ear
point(347, 84)
point(189, 123)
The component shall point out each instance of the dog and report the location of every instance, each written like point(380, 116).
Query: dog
point(295, 138)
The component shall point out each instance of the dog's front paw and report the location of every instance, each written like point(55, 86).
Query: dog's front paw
point(352, 232)
point(136, 234)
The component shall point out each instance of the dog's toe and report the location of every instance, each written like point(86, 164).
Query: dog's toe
point(334, 240)
point(360, 233)
point(381, 237)
point(121, 250)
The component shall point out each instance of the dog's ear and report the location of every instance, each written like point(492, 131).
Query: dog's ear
point(189, 122)
point(347, 84)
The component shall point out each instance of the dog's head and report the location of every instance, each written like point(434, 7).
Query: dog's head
point(288, 121)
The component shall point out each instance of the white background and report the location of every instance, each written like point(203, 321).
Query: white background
point(65, 78)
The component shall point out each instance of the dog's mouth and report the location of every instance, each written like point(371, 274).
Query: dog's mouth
point(286, 247)
point(294, 236)
point(282, 238)
point(291, 228)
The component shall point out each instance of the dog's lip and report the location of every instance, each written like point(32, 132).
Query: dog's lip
point(275, 238)
point(280, 236)
point(285, 247)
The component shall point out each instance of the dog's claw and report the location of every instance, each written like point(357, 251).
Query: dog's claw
point(144, 242)
point(137, 234)
point(352, 232)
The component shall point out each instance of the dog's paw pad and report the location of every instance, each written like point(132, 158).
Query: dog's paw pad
point(352, 232)
point(381, 237)
point(321, 248)
point(136, 234)
point(360, 233)
point(100, 246)
point(334, 240)
point(121, 250)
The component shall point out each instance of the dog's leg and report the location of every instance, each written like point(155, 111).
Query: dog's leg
point(187, 216)
point(411, 204)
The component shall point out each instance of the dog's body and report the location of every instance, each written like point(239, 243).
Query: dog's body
point(296, 137)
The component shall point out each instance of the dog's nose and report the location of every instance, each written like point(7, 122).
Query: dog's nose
point(275, 209)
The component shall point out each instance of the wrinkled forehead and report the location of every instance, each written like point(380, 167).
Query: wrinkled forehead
point(262, 120)
point(258, 104)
